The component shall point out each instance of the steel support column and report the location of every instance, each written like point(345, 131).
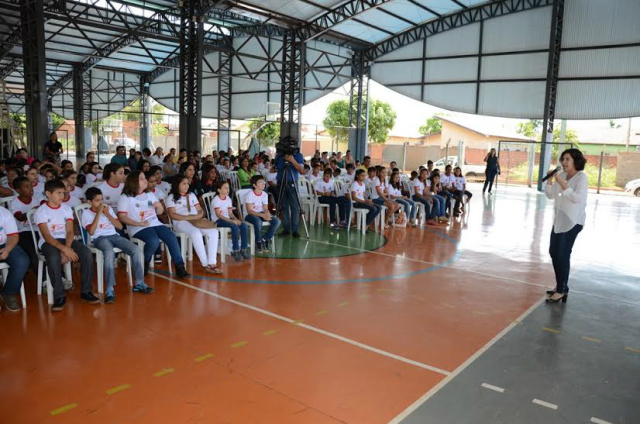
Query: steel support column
point(35, 86)
point(359, 107)
point(191, 53)
point(291, 91)
point(145, 121)
point(555, 44)
point(79, 112)
point(225, 61)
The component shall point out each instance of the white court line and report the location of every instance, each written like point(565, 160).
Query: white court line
point(545, 404)
point(464, 365)
point(599, 421)
point(309, 327)
point(494, 388)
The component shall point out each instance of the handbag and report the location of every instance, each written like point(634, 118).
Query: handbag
point(202, 223)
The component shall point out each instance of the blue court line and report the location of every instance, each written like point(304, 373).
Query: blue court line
point(357, 280)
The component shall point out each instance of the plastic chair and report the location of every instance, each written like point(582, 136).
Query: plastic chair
point(4, 201)
point(4, 270)
point(379, 223)
point(40, 281)
point(316, 206)
point(225, 233)
point(86, 239)
point(240, 197)
point(361, 215)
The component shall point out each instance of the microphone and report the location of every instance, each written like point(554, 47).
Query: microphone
point(551, 174)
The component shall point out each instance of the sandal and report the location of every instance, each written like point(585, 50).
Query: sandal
point(213, 269)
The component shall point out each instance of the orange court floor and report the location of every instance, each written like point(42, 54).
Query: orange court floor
point(340, 328)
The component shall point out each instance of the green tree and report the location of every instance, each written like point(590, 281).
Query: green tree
point(267, 132)
point(530, 129)
point(21, 119)
point(382, 119)
point(433, 125)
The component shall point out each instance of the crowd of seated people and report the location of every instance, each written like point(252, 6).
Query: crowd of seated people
point(135, 204)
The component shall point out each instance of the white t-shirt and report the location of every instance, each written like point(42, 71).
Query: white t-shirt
point(323, 187)
point(460, 182)
point(348, 178)
point(392, 191)
point(110, 194)
point(258, 203)
point(4, 182)
point(7, 225)
point(55, 219)
point(372, 183)
point(359, 188)
point(181, 204)
point(154, 160)
point(272, 177)
point(138, 209)
point(159, 193)
point(447, 181)
point(77, 193)
point(314, 178)
point(17, 205)
point(165, 187)
point(420, 185)
point(38, 189)
point(104, 228)
point(222, 205)
point(72, 202)
point(91, 178)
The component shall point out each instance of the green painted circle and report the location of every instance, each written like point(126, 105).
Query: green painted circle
point(325, 242)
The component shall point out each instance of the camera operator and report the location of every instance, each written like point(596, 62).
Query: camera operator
point(290, 161)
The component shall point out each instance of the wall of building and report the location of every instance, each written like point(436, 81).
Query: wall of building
point(628, 168)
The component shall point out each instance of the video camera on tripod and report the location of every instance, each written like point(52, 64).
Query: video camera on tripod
point(287, 146)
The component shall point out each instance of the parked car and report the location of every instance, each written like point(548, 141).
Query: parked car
point(127, 142)
point(633, 186)
point(469, 171)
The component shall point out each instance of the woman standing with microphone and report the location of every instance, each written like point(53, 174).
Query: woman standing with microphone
point(493, 169)
point(569, 190)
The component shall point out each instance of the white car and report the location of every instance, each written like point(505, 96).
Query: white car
point(128, 143)
point(468, 171)
point(633, 186)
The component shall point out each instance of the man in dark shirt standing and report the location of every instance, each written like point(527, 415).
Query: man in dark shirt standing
point(292, 165)
point(53, 148)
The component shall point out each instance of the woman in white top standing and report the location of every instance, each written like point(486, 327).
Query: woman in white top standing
point(569, 188)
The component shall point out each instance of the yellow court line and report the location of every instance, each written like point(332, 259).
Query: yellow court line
point(322, 312)
point(591, 339)
point(630, 349)
point(204, 357)
point(448, 305)
point(270, 332)
point(417, 297)
point(239, 344)
point(118, 389)
point(343, 304)
point(298, 321)
point(163, 372)
point(63, 409)
point(551, 330)
point(479, 313)
point(364, 296)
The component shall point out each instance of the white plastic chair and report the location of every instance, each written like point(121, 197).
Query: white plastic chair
point(43, 277)
point(86, 239)
point(4, 269)
point(317, 208)
point(4, 201)
point(361, 215)
point(225, 233)
point(422, 213)
point(379, 223)
point(241, 199)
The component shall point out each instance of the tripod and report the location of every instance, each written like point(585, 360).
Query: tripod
point(286, 176)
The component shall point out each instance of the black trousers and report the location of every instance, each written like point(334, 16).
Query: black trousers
point(53, 259)
point(560, 252)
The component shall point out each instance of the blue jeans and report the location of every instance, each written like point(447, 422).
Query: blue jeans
point(290, 207)
point(439, 205)
point(429, 209)
point(491, 175)
point(374, 210)
point(18, 262)
point(447, 195)
point(256, 221)
point(242, 229)
point(106, 244)
point(410, 207)
point(151, 237)
point(560, 252)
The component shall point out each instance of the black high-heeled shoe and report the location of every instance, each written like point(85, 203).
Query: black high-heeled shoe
point(551, 292)
point(563, 298)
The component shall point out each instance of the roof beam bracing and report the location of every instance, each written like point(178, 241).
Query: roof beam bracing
point(153, 24)
point(462, 5)
point(342, 13)
point(423, 7)
point(451, 21)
